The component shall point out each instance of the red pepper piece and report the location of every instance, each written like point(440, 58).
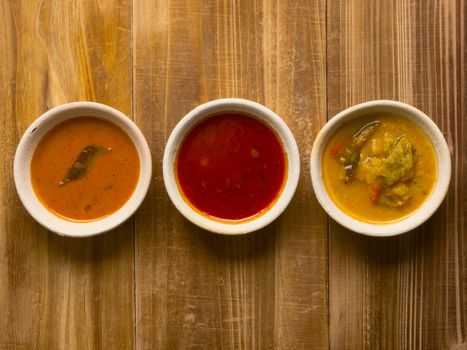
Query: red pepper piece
point(337, 149)
point(376, 190)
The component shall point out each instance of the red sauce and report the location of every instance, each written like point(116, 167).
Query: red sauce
point(231, 167)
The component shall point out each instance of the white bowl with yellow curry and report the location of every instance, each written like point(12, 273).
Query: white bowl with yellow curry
point(380, 168)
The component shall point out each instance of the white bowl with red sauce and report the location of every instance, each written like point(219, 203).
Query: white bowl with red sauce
point(231, 166)
point(39, 130)
point(433, 199)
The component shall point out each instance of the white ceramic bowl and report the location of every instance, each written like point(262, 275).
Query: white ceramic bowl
point(431, 203)
point(28, 143)
point(257, 111)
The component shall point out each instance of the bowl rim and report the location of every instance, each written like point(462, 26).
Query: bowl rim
point(420, 215)
point(250, 108)
point(28, 143)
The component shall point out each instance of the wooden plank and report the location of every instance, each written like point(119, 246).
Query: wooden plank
point(406, 292)
point(57, 292)
point(193, 288)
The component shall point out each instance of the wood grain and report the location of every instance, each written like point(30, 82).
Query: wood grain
point(59, 293)
point(266, 289)
point(303, 282)
point(407, 292)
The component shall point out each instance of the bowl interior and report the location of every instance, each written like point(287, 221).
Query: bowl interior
point(262, 114)
point(26, 149)
point(431, 203)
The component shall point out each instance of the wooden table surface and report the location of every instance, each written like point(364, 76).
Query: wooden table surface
point(304, 282)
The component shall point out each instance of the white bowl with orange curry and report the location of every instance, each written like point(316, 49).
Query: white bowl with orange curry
point(380, 168)
point(82, 169)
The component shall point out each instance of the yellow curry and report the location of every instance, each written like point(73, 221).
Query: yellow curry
point(379, 168)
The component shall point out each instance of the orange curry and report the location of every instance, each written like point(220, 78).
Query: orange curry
point(84, 169)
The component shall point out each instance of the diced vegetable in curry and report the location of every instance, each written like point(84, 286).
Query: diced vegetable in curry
point(351, 155)
point(379, 168)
